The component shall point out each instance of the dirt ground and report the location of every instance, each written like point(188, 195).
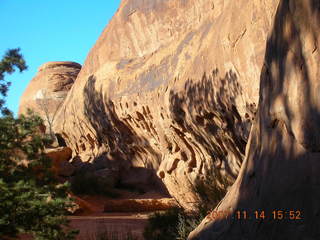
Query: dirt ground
point(93, 223)
point(111, 225)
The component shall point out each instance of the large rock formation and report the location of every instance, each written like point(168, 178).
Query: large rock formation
point(171, 87)
point(48, 89)
point(282, 165)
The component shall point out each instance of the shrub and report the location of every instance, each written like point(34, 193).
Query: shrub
point(31, 199)
point(187, 223)
point(211, 189)
point(173, 224)
point(163, 225)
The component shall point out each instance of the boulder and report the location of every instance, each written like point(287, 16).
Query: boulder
point(60, 161)
point(47, 90)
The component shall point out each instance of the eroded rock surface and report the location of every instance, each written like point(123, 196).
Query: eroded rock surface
point(48, 89)
point(282, 165)
point(60, 161)
point(172, 87)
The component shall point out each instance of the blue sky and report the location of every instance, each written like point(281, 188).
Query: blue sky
point(50, 30)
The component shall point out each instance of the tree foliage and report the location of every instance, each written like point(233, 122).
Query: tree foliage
point(11, 60)
point(31, 199)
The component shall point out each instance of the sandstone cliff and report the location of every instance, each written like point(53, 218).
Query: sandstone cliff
point(171, 87)
point(281, 168)
point(48, 89)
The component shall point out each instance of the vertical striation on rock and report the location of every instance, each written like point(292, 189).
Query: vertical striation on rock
point(171, 87)
point(282, 164)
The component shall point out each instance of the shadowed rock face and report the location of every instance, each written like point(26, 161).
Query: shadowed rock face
point(172, 87)
point(282, 165)
point(48, 89)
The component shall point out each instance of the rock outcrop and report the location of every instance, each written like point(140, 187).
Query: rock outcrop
point(48, 89)
point(280, 174)
point(60, 161)
point(171, 87)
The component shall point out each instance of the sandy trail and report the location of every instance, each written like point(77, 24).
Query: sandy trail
point(92, 221)
point(118, 224)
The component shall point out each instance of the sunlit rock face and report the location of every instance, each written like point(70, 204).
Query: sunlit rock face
point(171, 87)
point(48, 89)
point(280, 173)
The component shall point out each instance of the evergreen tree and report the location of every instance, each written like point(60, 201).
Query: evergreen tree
point(11, 59)
point(31, 200)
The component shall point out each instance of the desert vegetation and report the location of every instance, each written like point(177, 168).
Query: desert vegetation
point(173, 224)
point(49, 110)
point(211, 189)
point(32, 201)
point(176, 223)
